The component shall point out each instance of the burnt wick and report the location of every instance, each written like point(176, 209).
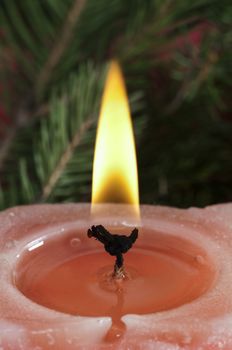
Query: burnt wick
point(115, 245)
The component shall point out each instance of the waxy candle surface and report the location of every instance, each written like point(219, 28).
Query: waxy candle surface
point(56, 290)
point(72, 275)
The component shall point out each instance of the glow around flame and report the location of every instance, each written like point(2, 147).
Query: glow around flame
point(115, 177)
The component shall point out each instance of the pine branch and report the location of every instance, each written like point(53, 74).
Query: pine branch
point(17, 35)
point(30, 29)
point(65, 158)
point(63, 40)
point(190, 84)
point(68, 115)
point(31, 48)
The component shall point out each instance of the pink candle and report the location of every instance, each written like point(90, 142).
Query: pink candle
point(55, 290)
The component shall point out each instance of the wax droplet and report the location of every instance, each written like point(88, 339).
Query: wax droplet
point(200, 259)
point(75, 242)
point(116, 331)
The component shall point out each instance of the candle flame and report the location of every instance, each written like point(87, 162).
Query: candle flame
point(115, 177)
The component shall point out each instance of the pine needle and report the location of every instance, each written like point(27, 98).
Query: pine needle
point(60, 46)
point(65, 158)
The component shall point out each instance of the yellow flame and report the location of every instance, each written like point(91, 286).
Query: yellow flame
point(115, 177)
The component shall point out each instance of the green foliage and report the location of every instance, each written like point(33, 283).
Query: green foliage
point(177, 61)
point(59, 142)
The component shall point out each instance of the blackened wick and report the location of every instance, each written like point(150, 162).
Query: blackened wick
point(115, 245)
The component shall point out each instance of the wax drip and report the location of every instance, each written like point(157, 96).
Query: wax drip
point(118, 327)
point(115, 245)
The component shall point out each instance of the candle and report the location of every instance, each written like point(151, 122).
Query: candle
point(55, 288)
point(60, 289)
